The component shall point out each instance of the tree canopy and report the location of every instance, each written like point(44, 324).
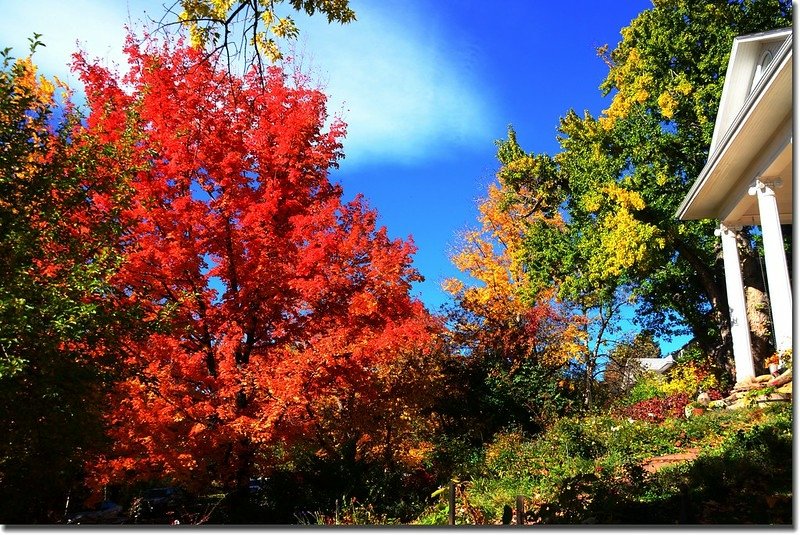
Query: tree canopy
point(238, 26)
point(280, 308)
point(620, 177)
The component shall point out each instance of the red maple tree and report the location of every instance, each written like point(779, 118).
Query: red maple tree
point(270, 297)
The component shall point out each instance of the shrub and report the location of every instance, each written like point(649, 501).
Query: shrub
point(647, 386)
point(657, 409)
point(688, 378)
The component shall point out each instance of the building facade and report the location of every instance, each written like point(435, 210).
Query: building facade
point(748, 179)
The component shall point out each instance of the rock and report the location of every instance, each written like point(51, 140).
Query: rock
point(733, 398)
point(763, 378)
point(782, 379)
point(763, 401)
point(704, 399)
point(785, 390)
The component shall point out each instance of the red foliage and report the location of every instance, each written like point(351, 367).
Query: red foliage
point(275, 302)
point(657, 409)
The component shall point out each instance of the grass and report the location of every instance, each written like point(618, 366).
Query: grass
point(589, 470)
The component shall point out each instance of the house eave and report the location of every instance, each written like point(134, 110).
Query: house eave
point(767, 104)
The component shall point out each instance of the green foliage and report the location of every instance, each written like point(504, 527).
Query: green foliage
point(590, 470)
point(647, 386)
point(620, 177)
point(482, 396)
point(57, 255)
point(580, 437)
point(687, 378)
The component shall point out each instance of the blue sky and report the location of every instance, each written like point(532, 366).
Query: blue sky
point(426, 87)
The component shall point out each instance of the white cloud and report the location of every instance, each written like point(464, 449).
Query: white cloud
point(96, 26)
point(405, 87)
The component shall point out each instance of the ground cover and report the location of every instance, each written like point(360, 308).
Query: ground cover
point(722, 467)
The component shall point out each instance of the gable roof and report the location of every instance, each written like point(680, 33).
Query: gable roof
point(739, 75)
point(752, 134)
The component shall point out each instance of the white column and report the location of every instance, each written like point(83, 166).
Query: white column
point(740, 330)
point(780, 291)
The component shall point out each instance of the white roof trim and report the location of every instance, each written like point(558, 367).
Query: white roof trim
point(782, 57)
point(724, 121)
point(658, 365)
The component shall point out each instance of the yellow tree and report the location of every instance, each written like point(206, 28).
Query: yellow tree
point(625, 172)
point(520, 341)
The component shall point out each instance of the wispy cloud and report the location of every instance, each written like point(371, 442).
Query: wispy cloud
point(97, 26)
point(404, 85)
point(407, 88)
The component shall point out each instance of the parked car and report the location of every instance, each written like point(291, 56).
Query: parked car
point(257, 485)
point(107, 512)
point(160, 504)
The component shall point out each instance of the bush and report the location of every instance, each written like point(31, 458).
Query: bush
point(688, 378)
point(648, 386)
point(658, 409)
point(591, 469)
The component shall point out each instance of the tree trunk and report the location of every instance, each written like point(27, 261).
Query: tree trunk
point(240, 510)
point(758, 313)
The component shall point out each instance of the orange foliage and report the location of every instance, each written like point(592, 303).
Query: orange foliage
point(282, 311)
point(499, 314)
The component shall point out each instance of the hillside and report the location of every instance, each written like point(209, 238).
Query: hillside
point(721, 467)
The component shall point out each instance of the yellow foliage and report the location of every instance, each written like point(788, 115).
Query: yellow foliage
point(684, 87)
point(687, 379)
point(207, 19)
point(668, 104)
point(493, 256)
point(623, 240)
point(613, 192)
point(629, 93)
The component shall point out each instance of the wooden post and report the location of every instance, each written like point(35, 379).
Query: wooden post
point(520, 510)
point(452, 498)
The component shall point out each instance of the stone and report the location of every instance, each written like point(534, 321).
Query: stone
point(763, 401)
point(782, 379)
point(704, 399)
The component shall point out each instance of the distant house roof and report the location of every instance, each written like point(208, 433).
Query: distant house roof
point(659, 365)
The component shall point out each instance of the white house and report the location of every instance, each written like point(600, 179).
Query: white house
point(659, 365)
point(748, 178)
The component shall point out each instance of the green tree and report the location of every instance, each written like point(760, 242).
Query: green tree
point(561, 247)
point(620, 177)
point(57, 251)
